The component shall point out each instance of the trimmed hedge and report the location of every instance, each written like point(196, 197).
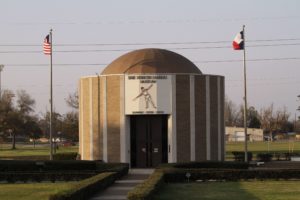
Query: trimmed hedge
point(266, 157)
point(12, 177)
point(31, 165)
point(86, 188)
point(145, 190)
point(240, 156)
point(208, 164)
point(14, 171)
point(65, 156)
point(57, 156)
point(175, 175)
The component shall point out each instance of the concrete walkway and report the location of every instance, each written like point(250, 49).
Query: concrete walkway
point(119, 190)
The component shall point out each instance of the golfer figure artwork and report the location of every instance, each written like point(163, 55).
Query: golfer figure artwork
point(148, 99)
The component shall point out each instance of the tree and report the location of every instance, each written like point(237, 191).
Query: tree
point(253, 118)
point(44, 123)
point(14, 119)
point(231, 112)
point(273, 122)
point(25, 103)
point(32, 128)
point(282, 120)
point(6, 106)
point(70, 126)
point(72, 100)
point(14, 125)
point(234, 115)
point(70, 121)
point(10, 119)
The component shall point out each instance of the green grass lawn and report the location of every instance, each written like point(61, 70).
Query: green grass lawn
point(254, 147)
point(37, 191)
point(29, 150)
point(279, 146)
point(248, 190)
point(258, 147)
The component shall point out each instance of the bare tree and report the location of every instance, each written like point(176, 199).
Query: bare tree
point(267, 119)
point(282, 119)
point(72, 100)
point(272, 121)
point(231, 113)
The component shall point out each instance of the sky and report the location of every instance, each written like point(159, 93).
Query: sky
point(90, 34)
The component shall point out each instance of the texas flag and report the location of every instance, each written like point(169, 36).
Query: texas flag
point(238, 42)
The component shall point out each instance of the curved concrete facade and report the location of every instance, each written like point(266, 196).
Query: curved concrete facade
point(194, 115)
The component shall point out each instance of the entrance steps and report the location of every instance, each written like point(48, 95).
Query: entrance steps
point(119, 190)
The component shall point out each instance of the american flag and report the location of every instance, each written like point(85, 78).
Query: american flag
point(47, 46)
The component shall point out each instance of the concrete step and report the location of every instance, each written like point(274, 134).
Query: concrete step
point(129, 181)
point(141, 171)
point(136, 177)
point(124, 184)
point(110, 197)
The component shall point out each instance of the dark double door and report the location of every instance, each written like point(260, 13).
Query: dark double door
point(149, 140)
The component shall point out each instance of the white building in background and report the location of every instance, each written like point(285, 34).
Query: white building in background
point(237, 134)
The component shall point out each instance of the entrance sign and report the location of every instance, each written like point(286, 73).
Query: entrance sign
point(148, 94)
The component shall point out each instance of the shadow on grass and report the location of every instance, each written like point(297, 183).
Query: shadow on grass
point(204, 191)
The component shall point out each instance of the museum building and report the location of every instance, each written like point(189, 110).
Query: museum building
point(151, 106)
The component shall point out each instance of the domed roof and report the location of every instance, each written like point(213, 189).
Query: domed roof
point(151, 61)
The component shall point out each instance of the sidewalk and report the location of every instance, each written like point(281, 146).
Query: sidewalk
point(119, 190)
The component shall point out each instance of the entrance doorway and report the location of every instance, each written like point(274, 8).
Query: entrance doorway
point(149, 140)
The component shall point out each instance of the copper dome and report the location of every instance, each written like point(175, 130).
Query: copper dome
point(151, 61)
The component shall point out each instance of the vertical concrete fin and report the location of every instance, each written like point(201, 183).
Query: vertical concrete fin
point(219, 119)
point(208, 142)
point(123, 146)
point(91, 133)
point(192, 117)
point(105, 158)
point(172, 136)
point(81, 110)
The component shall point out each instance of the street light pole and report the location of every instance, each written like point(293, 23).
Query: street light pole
point(1, 68)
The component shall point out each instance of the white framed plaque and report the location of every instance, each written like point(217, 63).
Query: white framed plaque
point(148, 94)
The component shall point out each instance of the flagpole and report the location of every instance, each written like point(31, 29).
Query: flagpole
point(245, 97)
point(51, 98)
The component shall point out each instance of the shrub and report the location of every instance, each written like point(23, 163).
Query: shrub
point(86, 188)
point(240, 156)
point(266, 157)
point(57, 156)
point(65, 156)
point(67, 165)
point(176, 175)
point(40, 157)
point(12, 171)
point(208, 164)
point(277, 156)
point(43, 176)
point(145, 190)
point(288, 155)
point(31, 165)
point(101, 166)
